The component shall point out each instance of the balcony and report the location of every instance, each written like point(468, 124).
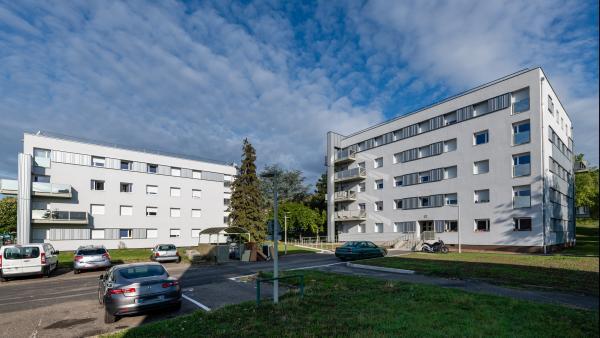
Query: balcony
point(51, 190)
point(344, 156)
point(58, 217)
point(344, 196)
point(521, 106)
point(43, 162)
point(521, 202)
point(521, 170)
point(350, 175)
point(8, 187)
point(357, 215)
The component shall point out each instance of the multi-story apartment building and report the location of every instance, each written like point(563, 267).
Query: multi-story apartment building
point(74, 192)
point(491, 167)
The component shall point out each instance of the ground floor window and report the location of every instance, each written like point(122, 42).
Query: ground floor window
point(451, 226)
point(125, 233)
point(361, 228)
point(196, 233)
point(523, 224)
point(97, 233)
point(175, 233)
point(378, 227)
point(482, 225)
point(151, 233)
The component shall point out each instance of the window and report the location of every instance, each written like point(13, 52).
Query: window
point(481, 137)
point(378, 163)
point(41, 178)
point(424, 151)
point(379, 206)
point(451, 226)
point(521, 131)
point(482, 225)
point(125, 233)
point(449, 145)
point(227, 201)
point(450, 118)
point(481, 167)
point(97, 209)
point(378, 184)
point(424, 201)
point(378, 227)
point(41, 153)
point(126, 187)
point(98, 161)
point(450, 172)
point(196, 213)
point(152, 168)
point(97, 185)
point(521, 165)
point(173, 233)
point(521, 101)
point(361, 165)
point(97, 233)
point(151, 211)
point(361, 187)
point(398, 204)
point(151, 233)
point(125, 165)
point(151, 190)
point(522, 196)
point(424, 177)
point(397, 158)
point(522, 224)
point(396, 227)
point(451, 199)
point(196, 174)
point(196, 233)
point(175, 171)
point(482, 196)
point(398, 181)
point(175, 212)
point(362, 206)
point(126, 210)
point(196, 193)
point(175, 192)
point(361, 228)
point(550, 105)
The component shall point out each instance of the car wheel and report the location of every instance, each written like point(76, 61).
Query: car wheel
point(109, 317)
point(75, 271)
point(3, 279)
point(47, 271)
point(177, 306)
point(100, 297)
point(178, 260)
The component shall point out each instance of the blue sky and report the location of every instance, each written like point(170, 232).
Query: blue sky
point(198, 77)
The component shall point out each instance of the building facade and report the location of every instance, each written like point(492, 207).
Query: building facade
point(75, 192)
point(491, 167)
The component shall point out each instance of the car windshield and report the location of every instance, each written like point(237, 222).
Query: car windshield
point(141, 271)
point(166, 247)
point(90, 252)
point(24, 252)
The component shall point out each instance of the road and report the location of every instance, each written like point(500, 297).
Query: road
point(66, 305)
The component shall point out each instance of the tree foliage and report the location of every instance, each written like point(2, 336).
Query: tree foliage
point(318, 199)
point(586, 191)
point(290, 185)
point(246, 197)
point(301, 219)
point(8, 214)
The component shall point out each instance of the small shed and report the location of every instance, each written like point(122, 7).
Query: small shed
point(218, 235)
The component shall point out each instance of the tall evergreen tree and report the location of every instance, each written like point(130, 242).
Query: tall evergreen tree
point(246, 197)
point(317, 200)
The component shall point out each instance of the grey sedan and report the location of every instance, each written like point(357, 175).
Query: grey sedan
point(165, 253)
point(135, 288)
point(90, 257)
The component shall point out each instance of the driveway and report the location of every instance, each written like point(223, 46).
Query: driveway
point(66, 305)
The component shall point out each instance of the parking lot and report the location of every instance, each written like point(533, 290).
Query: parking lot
point(66, 305)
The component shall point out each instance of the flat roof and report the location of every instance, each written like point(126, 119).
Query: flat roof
point(124, 147)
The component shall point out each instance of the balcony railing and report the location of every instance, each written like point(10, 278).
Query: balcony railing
point(8, 187)
point(344, 196)
point(521, 201)
point(51, 189)
point(520, 138)
point(521, 170)
point(41, 162)
point(62, 217)
point(521, 106)
point(350, 174)
point(356, 215)
point(344, 156)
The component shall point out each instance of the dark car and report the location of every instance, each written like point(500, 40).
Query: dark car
point(359, 250)
point(135, 288)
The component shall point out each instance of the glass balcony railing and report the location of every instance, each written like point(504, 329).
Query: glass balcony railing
point(55, 216)
point(9, 187)
point(521, 201)
point(521, 106)
point(345, 156)
point(350, 174)
point(520, 138)
point(43, 162)
point(521, 170)
point(344, 195)
point(356, 215)
point(47, 189)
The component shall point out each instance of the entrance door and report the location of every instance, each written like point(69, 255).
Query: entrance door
point(426, 226)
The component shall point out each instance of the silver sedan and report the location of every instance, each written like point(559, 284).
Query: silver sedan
point(90, 257)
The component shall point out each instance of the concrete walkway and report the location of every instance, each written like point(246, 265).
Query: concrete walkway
point(550, 297)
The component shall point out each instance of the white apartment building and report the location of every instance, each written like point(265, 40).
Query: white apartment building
point(492, 166)
point(74, 192)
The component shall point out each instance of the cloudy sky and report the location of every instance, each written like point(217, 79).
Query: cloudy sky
point(198, 77)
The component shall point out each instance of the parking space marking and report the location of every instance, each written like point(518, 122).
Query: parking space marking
point(200, 305)
point(317, 266)
point(41, 299)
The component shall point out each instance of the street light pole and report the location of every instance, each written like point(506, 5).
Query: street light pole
point(275, 249)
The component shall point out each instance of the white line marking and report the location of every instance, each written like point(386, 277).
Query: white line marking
point(200, 305)
point(316, 266)
point(235, 279)
point(40, 299)
point(315, 249)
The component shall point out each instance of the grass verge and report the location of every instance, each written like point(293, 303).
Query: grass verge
point(350, 306)
point(117, 256)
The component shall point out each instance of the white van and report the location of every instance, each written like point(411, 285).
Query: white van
point(27, 259)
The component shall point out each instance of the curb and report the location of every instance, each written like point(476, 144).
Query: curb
point(380, 268)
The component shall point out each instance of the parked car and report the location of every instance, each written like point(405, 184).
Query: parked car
point(164, 253)
point(359, 250)
point(135, 288)
point(27, 260)
point(90, 257)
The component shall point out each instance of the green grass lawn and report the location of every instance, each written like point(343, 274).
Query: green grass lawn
point(574, 270)
point(350, 306)
point(117, 256)
point(292, 249)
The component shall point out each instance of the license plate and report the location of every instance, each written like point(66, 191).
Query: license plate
point(146, 300)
